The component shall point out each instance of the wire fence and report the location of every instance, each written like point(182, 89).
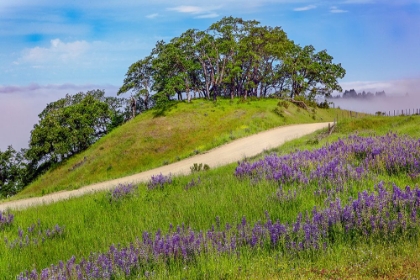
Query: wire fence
point(403, 112)
point(344, 114)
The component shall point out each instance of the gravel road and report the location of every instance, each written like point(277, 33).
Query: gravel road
point(228, 153)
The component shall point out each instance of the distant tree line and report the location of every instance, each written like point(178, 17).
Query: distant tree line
point(232, 58)
point(353, 94)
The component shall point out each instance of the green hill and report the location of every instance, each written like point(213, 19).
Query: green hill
point(151, 140)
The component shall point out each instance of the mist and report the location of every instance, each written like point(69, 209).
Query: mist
point(387, 104)
point(401, 95)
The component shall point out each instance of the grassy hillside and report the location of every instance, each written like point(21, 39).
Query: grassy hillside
point(89, 225)
point(150, 141)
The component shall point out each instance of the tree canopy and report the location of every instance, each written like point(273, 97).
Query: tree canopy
point(233, 57)
point(71, 124)
point(12, 171)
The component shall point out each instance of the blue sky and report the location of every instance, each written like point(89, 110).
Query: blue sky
point(50, 48)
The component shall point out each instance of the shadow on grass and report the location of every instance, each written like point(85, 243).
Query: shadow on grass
point(162, 109)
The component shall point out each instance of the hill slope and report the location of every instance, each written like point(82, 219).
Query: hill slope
point(235, 151)
point(149, 141)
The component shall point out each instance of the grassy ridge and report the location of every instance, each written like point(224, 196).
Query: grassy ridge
point(93, 223)
point(150, 141)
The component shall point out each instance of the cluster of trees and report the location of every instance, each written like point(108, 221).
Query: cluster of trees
point(232, 58)
point(66, 127)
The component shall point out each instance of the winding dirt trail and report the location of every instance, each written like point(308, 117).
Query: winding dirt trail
point(231, 152)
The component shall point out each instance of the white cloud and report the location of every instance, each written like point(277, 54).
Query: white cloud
point(306, 8)
point(211, 15)
point(188, 9)
point(336, 10)
point(57, 51)
point(358, 1)
point(151, 16)
point(199, 12)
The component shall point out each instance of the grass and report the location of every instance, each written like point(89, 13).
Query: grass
point(92, 223)
point(150, 141)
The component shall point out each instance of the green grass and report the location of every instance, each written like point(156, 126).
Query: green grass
point(150, 141)
point(92, 223)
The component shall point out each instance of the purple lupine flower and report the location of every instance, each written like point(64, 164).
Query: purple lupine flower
point(30, 237)
point(159, 181)
point(44, 274)
point(121, 191)
point(340, 163)
point(383, 214)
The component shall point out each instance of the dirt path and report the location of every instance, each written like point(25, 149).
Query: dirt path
point(232, 152)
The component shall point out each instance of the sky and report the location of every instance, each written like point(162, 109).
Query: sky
point(50, 48)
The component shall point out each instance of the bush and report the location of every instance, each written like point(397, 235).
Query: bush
point(283, 103)
point(198, 167)
point(324, 105)
point(279, 111)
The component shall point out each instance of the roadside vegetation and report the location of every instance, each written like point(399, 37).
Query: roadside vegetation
point(253, 219)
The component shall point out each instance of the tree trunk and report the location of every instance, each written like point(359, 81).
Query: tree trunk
point(215, 91)
point(187, 90)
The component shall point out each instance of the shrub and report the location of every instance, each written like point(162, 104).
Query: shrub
point(283, 103)
point(279, 111)
point(198, 167)
point(324, 105)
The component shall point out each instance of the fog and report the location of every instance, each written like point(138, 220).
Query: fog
point(400, 95)
point(387, 104)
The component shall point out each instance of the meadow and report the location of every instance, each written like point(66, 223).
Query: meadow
point(337, 206)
